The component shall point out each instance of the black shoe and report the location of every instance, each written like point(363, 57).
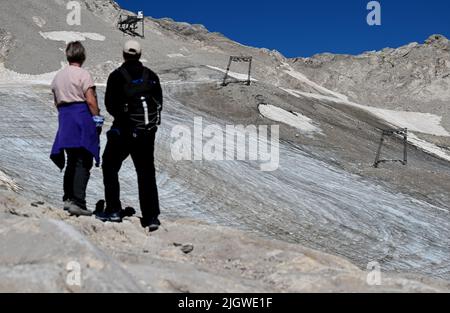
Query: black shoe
point(115, 217)
point(102, 216)
point(154, 224)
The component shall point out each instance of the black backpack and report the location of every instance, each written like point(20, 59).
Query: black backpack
point(142, 109)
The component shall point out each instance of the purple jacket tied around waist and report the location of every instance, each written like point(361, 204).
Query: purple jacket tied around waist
point(76, 130)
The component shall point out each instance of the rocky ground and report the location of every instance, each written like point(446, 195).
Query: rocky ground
point(44, 243)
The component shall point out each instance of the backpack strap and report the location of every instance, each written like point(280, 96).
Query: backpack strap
point(146, 75)
point(129, 79)
point(125, 75)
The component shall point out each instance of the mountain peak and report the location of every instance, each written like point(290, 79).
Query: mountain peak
point(439, 41)
point(436, 37)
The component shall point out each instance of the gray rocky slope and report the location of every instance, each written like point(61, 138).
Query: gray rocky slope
point(415, 77)
point(326, 195)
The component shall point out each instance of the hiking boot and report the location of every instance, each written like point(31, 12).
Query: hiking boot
point(78, 211)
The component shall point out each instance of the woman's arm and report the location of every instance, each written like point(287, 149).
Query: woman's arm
point(91, 99)
point(54, 98)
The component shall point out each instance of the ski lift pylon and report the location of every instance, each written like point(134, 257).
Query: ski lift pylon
point(129, 24)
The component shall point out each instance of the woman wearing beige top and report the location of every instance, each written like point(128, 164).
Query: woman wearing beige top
point(79, 125)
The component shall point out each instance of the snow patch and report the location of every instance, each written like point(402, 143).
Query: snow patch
point(425, 123)
point(176, 55)
point(428, 147)
point(299, 76)
point(293, 119)
point(68, 36)
point(233, 74)
point(8, 77)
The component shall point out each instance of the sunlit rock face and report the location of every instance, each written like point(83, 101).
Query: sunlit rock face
point(415, 77)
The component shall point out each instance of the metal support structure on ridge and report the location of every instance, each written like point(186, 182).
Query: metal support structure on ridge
point(402, 132)
point(129, 24)
point(239, 59)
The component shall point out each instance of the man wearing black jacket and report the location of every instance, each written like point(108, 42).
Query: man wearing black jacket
point(124, 139)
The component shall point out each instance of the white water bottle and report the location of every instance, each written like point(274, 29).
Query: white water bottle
point(144, 104)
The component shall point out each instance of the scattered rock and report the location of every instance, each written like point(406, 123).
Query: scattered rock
point(14, 212)
point(187, 248)
point(37, 203)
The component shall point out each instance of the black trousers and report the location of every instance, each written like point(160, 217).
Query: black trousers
point(76, 176)
point(141, 147)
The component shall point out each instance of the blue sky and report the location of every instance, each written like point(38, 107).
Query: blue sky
point(304, 28)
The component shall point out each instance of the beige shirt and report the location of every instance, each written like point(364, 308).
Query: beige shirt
point(70, 85)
